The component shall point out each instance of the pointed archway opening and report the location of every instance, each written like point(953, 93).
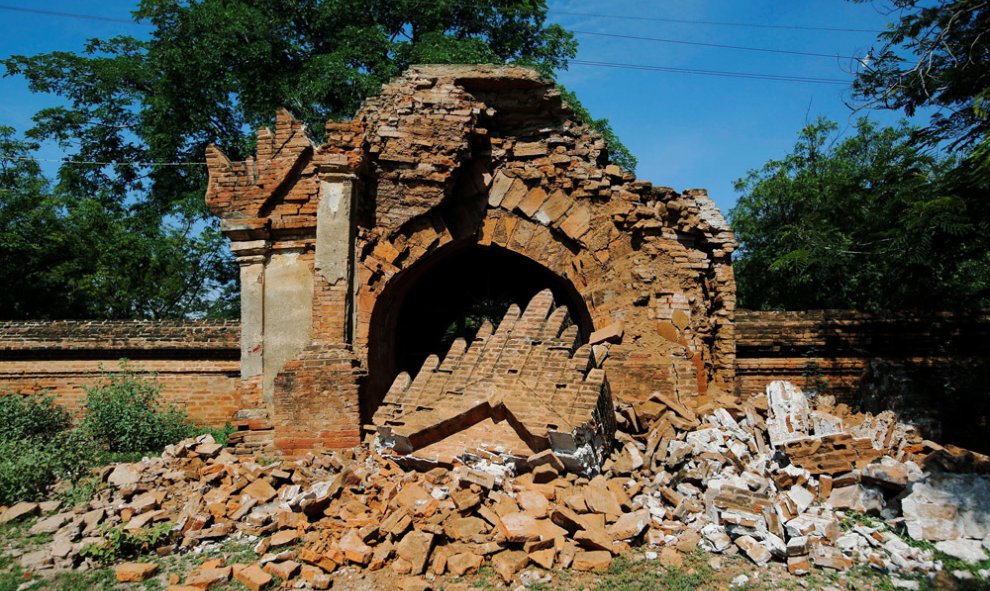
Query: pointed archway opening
point(446, 296)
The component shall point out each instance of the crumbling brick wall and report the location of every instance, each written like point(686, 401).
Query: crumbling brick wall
point(194, 362)
point(451, 155)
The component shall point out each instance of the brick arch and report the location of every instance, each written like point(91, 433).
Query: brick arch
point(386, 259)
point(384, 295)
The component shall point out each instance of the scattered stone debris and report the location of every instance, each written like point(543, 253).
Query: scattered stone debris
point(720, 478)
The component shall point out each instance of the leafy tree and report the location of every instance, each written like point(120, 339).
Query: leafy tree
point(936, 55)
point(869, 222)
point(213, 71)
point(63, 256)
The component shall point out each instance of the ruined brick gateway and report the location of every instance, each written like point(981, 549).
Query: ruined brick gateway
point(456, 185)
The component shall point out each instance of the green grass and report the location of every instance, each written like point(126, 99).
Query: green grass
point(483, 578)
point(12, 576)
point(95, 580)
point(648, 575)
point(854, 517)
point(16, 535)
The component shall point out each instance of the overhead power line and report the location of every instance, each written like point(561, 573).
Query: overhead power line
point(563, 12)
point(718, 45)
point(98, 163)
point(716, 23)
point(76, 15)
point(724, 74)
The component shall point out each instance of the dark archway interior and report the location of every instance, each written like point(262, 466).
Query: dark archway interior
point(448, 296)
point(455, 295)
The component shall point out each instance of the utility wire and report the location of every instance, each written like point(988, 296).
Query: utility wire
point(725, 74)
point(98, 163)
point(90, 17)
point(718, 45)
point(717, 23)
point(612, 35)
point(564, 12)
point(642, 67)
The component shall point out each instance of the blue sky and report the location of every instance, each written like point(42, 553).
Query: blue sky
point(687, 131)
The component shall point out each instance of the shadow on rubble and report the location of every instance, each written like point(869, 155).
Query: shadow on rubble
point(932, 369)
point(948, 399)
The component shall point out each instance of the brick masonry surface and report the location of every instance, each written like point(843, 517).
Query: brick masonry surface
point(196, 363)
point(329, 237)
point(839, 351)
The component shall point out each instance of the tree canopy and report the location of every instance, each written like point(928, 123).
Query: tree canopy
point(889, 217)
point(213, 71)
point(869, 222)
point(937, 54)
point(71, 256)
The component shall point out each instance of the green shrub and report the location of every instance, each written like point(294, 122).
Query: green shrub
point(28, 417)
point(123, 420)
point(124, 415)
point(119, 543)
point(30, 466)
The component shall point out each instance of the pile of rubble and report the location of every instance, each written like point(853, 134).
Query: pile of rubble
point(770, 477)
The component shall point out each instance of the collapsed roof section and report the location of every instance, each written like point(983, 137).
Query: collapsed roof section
point(516, 390)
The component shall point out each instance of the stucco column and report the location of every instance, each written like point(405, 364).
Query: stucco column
point(334, 259)
point(251, 259)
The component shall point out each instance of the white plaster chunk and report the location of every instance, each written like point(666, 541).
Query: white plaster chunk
point(948, 506)
point(801, 496)
point(970, 551)
point(789, 414)
point(858, 497)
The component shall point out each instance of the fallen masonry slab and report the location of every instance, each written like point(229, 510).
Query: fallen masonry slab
point(831, 454)
point(970, 551)
point(948, 507)
point(19, 511)
point(518, 389)
point(134, 572)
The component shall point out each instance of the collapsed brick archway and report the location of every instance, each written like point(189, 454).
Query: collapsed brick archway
point(332, 237)
point(445, 296)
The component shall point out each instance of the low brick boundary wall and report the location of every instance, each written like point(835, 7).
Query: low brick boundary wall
point(836, 348)
point(197, 363)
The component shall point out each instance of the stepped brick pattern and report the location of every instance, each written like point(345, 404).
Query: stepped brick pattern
point(330, 237)
point(520, 389)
